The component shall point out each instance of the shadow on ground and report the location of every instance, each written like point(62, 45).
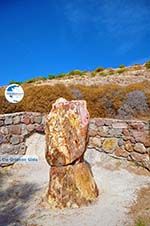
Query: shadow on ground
point(13, 201)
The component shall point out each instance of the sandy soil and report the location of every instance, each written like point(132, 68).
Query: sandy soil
point(23, 188)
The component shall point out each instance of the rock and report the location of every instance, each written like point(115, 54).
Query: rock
point(121, 152)
point(24, 130)
point(38, 119)
point(139, 157)
point(1, 138)
point(4, 130)
point(138, 147)
point(120, 142)
point(71, 181)
point(142, 137)
point(95, 141)
point(14, 139)
point(126, 132)
point(129, 146)
point(110, 144)
point(39, 128)
point(26, 119)
point(30, 127)
point(119, 125)
point(92, 156)
point(8, 120)
point(137, 125)
point(71, 186)
point(1, 122)
point(66, 131)
point(114, 132)
point(16, 119)
point(14, 129)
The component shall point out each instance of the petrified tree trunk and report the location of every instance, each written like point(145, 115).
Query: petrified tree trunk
point(71, 181)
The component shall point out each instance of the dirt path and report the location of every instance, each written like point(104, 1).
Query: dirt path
point(23, 188)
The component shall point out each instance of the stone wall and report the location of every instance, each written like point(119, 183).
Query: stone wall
point(127, 139)
point(14, 128)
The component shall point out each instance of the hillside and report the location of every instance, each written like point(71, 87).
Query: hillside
point(123, 92)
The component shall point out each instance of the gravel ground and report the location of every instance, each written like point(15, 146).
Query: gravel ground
point(24, 185)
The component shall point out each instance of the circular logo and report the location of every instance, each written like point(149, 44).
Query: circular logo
point(14, 93)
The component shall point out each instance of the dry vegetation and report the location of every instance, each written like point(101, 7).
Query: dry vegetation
point(103, 101)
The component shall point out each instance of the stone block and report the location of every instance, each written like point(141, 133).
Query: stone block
point(110, 144)
point(71, 186)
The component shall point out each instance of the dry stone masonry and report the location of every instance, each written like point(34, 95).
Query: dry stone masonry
point(14, 128)
point(126, 139)
point(71, 181)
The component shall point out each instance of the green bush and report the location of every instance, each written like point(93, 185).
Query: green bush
point(140, 222)
point(51, 76)
point(121, 70)
point(122, 66)
point(75, 72)
point(15, 82)
point(147, 64)
point(99, 69)
point(36, 79)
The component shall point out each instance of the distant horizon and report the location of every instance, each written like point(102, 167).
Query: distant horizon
point(53, 37)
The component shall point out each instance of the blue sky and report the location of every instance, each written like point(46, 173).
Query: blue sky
point(38, 38)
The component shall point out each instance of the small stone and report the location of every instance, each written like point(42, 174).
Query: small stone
point(24, 130)
point(14, 139)
point(114, 132)
point(16, 119)
point(119, 152)
point(126, 132)
point(8, 120)
point(71, 185)
point(1, 122)
point(96, 141)
point(4, 130)
point(30, 127)
point(139, 157)
point(137, 125)
point(110, 144)
point(119, 125)
point(138, 147)
point(142, 137)
point(99, 122)
point(103, 131)
point(1, 138)
point(38, 119)
point(129, 146)
point(120, 142)
point(14, 129)
point(39, 128)
point(26, 119)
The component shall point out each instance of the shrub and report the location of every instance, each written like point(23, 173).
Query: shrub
point(103, 73)
point(61, 75)
point(121, 70)
point(122, 66)
point(75, 72)
point(51, 76)
point(147, 64)
point(111, 72)
point(36, 79)
point(99, 69)
point(15, 82)
point(93, 73)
